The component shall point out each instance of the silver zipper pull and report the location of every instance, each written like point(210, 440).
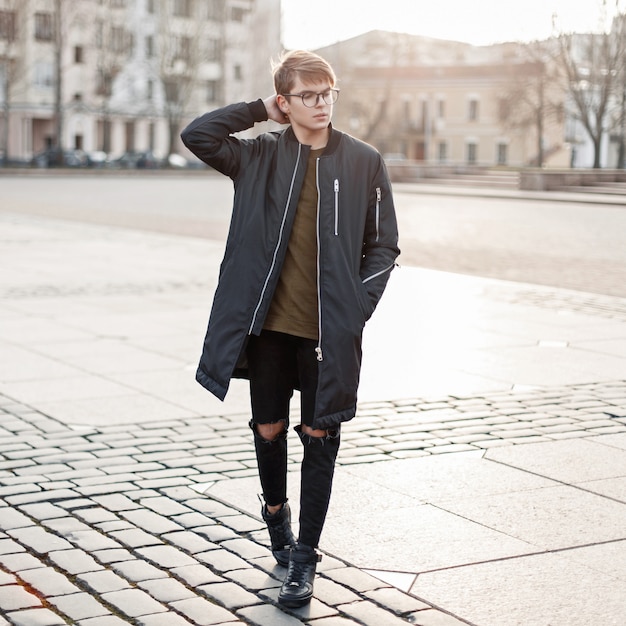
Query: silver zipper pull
point(318, 351)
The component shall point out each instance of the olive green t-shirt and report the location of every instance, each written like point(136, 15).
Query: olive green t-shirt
point(293, 309)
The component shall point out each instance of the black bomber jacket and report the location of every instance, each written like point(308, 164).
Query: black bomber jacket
point(357, 242)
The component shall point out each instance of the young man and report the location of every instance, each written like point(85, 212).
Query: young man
point(312, 241)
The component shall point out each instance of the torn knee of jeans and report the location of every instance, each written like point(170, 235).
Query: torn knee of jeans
point(281, 435)
point(331, 433)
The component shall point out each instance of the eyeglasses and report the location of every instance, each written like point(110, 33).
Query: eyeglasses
point(310, 98)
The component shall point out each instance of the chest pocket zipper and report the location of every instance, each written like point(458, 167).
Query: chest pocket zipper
point(336, 188)
point(378, 199)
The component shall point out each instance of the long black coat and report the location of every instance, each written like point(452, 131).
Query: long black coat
point(356, 236)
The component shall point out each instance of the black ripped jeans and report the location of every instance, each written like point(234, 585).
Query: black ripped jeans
point(278, 364)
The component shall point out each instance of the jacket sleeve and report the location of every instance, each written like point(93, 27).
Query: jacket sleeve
point(380, 240)
point(210, 138)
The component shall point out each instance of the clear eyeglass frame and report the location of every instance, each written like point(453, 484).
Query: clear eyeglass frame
point(310, 98)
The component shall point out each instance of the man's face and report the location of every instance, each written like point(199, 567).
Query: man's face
point(308, 118)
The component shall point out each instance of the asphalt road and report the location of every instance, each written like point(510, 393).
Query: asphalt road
point(567, 245)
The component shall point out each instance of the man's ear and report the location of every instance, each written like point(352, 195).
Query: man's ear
point(283, 105)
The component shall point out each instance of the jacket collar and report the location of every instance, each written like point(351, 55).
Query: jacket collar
point(331, 146)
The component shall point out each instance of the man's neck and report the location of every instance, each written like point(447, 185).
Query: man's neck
point(316, 140)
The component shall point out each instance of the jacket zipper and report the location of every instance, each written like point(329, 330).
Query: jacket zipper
point(280, 237)
point(336, 206)
point(380, 273)
point(378, 199)
point(318, 349)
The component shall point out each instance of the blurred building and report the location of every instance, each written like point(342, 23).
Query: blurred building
point(446, 102)
point(132, 72)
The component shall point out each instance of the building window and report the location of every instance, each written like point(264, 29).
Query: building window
point(472, 153)
point(171, 90)
point(151, 136)
point(150, 90)
point(182, 8)
point(504, 109)
point(79, 54)
point(118, 4)
point(119, 39)
point(44, 30)
point(78, 142)
point(442, 152)
point(212, 91)
point(7, 25)
point(149, 47)
point(212, 49)
point(473, 110)
point(213, 9)
point(150, 6)
point(237, 14)
point(237, 72)
point(44, 74)
point(78, 97)
point(502, 153)
point(441, 108)
point(104, 83)
point(182, 48)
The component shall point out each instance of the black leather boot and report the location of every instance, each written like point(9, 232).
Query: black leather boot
point(281, 536)
point(297, 589)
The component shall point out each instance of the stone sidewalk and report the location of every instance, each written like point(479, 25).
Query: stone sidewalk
point(483, 481)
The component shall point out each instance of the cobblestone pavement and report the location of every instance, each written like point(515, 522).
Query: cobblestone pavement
point(109, 525)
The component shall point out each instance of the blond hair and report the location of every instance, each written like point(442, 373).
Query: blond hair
point(307, 66)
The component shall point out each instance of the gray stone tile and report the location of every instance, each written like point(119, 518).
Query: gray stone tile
point(552, 518)
point(36, 617)
point(541, 589)
point(414, 539)
point(571, 461)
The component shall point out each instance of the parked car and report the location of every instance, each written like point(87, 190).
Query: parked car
point(54, 157)
point(145, 159)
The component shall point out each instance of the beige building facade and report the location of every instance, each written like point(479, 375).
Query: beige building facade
point(132, 72)
point(443, 102)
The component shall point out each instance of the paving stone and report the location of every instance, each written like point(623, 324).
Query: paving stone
point(137, 570)
point(79, 606)
point(165, 506)
point(106, 620)
point(42, 496)
point(266, 614)
point(12, 518)
point(189, 541)
point(133, 602)
point(221, 560)
point(396, 601)
point(135, 538)
point(216, 532)
point(39, 540)
point(195, 575)
point(166, 556)
point(166, 589)
point(369, 614)
point(150, 521)
point(116, 502)
point(48, 582)
point(36, 617)
point(20, 561)
point(203, 612)
point(103, 581)
point(245, 548)
point(253, 579)
point(229, 595)
point(113, 556)
point(163, 619)
point(332, 593)
point(8, 546)
point(355, 579)
point(74, 561)
point(432, 617)
point(13, 597)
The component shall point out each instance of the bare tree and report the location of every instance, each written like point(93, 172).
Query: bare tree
point(187, 39)
point(533, 99)
point(592, 64)
point(10, 63)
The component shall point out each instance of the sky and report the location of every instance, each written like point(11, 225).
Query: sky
point(320, 23)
